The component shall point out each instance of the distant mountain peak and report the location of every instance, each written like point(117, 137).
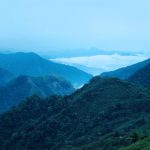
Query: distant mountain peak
point(31, 64)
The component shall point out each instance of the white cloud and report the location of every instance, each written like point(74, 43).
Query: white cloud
point(105, 62)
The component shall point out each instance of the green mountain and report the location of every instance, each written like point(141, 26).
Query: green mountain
point(126, 72)
point(140, 145)
point(33, 65)
point(5, 77)
point(100, 116)
point(23, 86)
point(142, 76)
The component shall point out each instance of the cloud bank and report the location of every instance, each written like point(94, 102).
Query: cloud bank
point(104, 62)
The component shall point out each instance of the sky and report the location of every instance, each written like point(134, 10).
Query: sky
point(42, 25)
point(45, 25)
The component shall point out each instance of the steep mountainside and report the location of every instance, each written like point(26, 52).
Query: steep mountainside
point(33, 65)
point(126, 72)
point(100, 116)
point(23, 86)
point(5, 77)
point(142, 76)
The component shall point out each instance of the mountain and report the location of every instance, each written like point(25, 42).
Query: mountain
point(126, 72)
point(23, 86)
point(91, 70)
point(5, 77)
point(142, 76)
point(33, 65)
point(102, 115)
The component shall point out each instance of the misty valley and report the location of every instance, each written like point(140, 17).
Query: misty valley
point(74, 74)
point(46, 105)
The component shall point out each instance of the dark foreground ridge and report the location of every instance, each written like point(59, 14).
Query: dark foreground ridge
point(103, 115)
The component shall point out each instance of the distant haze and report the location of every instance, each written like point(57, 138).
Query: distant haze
point(46, 25)
point(95, 33)
point(103, 62)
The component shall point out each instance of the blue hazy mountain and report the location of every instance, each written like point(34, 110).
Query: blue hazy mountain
point(23, 86)
point(90, 70)
point(33, 65)
point(5, 77)
point(126, 72)
point(142, 76)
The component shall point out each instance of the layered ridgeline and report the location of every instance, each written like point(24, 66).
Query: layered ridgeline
point(142, 76)
point(5, 77)
point(23, 86)
point(33, 65)
point(103, 115)
point(126, 72)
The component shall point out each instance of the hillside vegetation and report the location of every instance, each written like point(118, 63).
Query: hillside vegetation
point(103, 115)
point(140, 145)
point(24, 86)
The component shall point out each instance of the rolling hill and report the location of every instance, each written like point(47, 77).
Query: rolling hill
point(33, 65)
point(100, 116)
point(23, 86)
point(126, 72)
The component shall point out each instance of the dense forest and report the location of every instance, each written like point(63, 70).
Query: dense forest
point(74, 75)
point(17, 89)
point(106, 114)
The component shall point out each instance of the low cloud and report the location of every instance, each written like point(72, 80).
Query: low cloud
point(104, 62)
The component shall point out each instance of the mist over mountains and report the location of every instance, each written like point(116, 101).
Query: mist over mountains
point(74, 75)
point(33, 65)
point(41, 110)
point(93, 61)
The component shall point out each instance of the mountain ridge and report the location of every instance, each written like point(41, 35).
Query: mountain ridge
point(126, 72)
point(33, 65)
point(93, 117)
point(24, 86)
point(142, 76)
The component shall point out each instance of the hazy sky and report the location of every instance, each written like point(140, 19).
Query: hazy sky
point(42, 25)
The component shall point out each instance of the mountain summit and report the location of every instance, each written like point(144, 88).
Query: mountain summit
point(33, 65)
